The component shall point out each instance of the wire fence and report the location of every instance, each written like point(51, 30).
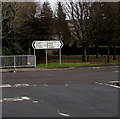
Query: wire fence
point(18, 61)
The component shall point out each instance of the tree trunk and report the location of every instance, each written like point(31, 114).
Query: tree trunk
point(84, 53)
point(114, 53)
point(88, 53)
point(29, 51)
point(108, 54)
point(97, 52)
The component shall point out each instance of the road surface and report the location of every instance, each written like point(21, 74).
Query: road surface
point(71, 93)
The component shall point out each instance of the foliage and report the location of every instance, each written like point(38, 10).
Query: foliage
point(15, 15)
point(62, 25)
point(9, 42)
point(89, 24)
point(79, 14)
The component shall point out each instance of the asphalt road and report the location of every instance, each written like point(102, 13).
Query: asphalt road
point(72, 93)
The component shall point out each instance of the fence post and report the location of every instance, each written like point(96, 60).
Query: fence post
point(14, 62)
point(27, 60)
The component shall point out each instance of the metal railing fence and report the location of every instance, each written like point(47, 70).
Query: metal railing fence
point(18, 61)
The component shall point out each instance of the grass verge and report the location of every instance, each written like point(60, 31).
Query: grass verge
point(57, 65)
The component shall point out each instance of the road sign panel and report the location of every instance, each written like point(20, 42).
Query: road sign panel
point(47, 44)
point(54, 44)
point(40, 44)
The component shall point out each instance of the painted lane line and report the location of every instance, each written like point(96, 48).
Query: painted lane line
point(16, 85)
point(5, 86)
point(21, 85)
point(45, 85)
point(64, 114)
point(114, 86)
point(24, 98)
point(116, 71)
point(113, 81)
point(95, 67)
point(35, 101)
point(108, 85)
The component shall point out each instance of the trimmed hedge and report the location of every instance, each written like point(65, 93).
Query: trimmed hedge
point(92, 51)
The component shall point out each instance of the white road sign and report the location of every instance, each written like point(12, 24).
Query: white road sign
point(47, 44)
point(39, 44)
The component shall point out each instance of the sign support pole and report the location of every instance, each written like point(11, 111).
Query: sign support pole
point(46, 58)
point(60, 55)
point(35, 58)
point(48, 45)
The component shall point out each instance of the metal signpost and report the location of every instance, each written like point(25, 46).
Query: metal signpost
point(48, 45)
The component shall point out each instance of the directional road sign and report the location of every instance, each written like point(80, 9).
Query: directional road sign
point(47, 44)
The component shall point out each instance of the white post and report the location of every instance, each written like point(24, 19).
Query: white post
point(35, 60)
point(46, 58)
point(60, 55)
point(14, 62)
point(35, 57)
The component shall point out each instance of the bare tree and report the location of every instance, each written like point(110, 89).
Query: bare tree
point(78, 13)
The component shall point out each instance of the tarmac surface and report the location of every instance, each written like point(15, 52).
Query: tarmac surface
point(60, 93)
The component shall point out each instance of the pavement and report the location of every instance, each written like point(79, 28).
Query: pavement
point(83, 92)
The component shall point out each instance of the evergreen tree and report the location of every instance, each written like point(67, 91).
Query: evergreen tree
point(110, 11)
point(63, 28)
point(26, 27)
point(16, 27)
point(10, 45)
point(96, 26)
point(47, 22)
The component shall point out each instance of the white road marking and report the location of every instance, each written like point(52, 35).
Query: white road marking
point(113, 81)
point(15, 99)
point(64, 114)
point(45, 85)
point(98, 83)
point(95, 67)
point(114, 86)
point(14, 71)
point(16, 85)
point(66, 84)
point(35, 101)
point(116, 71)
point(21, 85)
point(25, 98)
point(5, 86)
point(107, 85)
